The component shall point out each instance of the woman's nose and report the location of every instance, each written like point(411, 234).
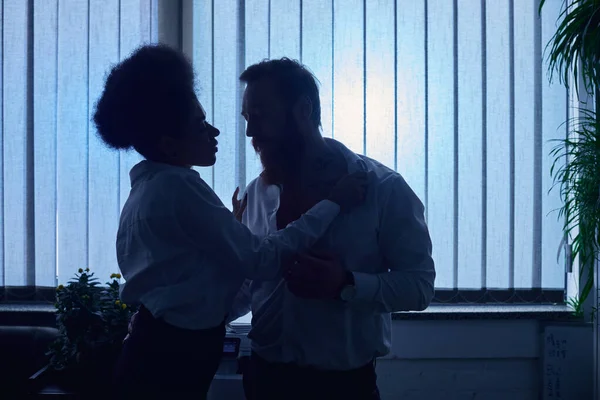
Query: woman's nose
point(215, 132)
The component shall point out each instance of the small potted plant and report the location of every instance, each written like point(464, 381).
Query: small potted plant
point(92, 324)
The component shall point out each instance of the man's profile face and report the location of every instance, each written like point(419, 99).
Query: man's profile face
point(265, 114)
point(270, 124)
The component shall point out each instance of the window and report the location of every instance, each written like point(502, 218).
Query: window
point(62, 190)
point(454, 95)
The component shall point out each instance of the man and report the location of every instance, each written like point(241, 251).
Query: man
point(317, 332)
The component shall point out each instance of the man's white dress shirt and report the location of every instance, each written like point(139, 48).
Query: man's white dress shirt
point(386, 245)
point(183, 254)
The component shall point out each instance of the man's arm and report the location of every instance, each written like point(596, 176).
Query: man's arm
point(406, 248)
point(404, 243)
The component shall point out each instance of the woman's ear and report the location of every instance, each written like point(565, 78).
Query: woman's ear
point(302, 109)
point(167, 147)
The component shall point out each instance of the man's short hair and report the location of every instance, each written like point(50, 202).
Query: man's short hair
point(293, 79)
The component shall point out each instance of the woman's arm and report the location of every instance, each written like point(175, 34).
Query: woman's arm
point(211, 227)
point(241, 303)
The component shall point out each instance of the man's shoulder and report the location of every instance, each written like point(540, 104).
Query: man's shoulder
point(383, 175)
point(389, 184)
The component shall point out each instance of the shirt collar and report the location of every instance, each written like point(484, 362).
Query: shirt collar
point(355, 163)
point(146, 169)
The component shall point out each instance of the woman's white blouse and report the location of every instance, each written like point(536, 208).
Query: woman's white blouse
point(183, 254)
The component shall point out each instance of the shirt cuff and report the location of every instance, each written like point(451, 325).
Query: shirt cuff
point(328, 206)
point(366, 285)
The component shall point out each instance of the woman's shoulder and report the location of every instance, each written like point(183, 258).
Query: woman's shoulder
point(177, 179)
point(180, 189)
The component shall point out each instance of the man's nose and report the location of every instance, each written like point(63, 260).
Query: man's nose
point(215, 132)
point(250, 130)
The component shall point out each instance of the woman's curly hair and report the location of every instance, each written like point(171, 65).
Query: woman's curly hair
point(148, 95)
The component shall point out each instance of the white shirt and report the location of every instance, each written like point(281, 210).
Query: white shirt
point(386, 245)
point(183, 254)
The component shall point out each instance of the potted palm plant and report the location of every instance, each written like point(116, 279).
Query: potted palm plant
point(574, 55)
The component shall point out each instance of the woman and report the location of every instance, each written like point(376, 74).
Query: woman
point(183, 255)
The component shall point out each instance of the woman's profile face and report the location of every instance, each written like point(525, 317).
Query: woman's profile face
point(197, 146)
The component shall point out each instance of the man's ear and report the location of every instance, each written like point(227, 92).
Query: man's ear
point(303, 109)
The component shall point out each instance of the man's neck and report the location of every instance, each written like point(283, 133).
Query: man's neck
point(320, 163)
point(301, 189)
point(316, 152)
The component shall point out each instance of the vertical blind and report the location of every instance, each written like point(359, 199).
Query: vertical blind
point(453, 94)
point(62, 190)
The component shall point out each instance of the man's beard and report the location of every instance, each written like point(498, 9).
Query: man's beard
point(280, 158)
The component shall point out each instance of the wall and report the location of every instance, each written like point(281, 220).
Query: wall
point(452, 379)
point(462, 360)
point(432, 358)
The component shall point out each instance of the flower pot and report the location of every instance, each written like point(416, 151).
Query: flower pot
point(91, 375)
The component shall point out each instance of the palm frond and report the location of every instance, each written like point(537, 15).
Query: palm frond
point(576, 173)
point(574, 49)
